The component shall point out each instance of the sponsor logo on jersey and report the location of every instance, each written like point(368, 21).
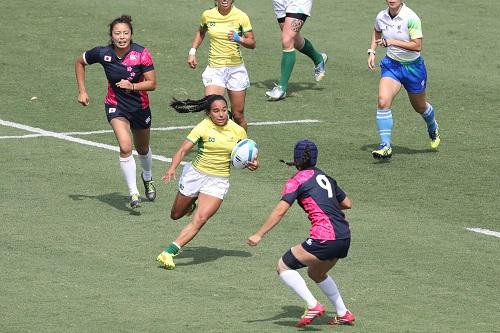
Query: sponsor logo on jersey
point(111, 110)
point(107, 58)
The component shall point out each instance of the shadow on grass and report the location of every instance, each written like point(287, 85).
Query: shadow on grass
point(398, 150)
point(203, 254)
point(293, 87)
point(289, 316)
point(115, 199)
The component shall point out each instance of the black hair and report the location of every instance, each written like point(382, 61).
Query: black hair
point(190, 105)
point(126, 19)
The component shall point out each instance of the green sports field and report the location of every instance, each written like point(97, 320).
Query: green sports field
point(75, 258)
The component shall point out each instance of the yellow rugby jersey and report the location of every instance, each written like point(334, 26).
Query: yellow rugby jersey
point(215, 144)
point(223, 52)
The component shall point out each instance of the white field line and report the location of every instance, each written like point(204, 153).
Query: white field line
point(72, 139)
point(172, 128)
point(485, 232)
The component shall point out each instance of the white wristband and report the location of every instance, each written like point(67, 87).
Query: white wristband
point(371, 51)
point(192, 51)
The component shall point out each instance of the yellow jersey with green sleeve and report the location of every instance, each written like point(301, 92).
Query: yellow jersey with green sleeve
point(215, 144)
point(223, 52)
point(405, 26)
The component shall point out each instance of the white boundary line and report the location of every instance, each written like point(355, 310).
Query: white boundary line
point(72, 139)
point(173, 128)
point(485, 232)
point(67, 136)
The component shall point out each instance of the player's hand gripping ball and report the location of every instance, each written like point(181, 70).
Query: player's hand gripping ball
point(243, 153)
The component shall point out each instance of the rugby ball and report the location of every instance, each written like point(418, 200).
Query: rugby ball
point(244, 152)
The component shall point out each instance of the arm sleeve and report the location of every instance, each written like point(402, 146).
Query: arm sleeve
point(290, 191)
point(415, 27)
point(339, 193)
point(92, 56)
point(196, 134)
point(146, 61)
point(245, 24)
point(203, 20)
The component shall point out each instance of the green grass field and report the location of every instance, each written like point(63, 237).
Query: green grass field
point(74, 258)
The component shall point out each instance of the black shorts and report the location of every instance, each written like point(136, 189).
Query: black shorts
point(300, 16)
point(137, 120)
point(327, 250)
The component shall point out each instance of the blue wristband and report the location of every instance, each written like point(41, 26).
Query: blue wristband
point(236, 37)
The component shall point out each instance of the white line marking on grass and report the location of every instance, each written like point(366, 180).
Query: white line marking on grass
point(72, 139)
point(485, 232)
point(172, 128)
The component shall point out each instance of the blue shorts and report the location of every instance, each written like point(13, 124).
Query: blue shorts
point(327, 250)
point(137, 120)
point(412, 75)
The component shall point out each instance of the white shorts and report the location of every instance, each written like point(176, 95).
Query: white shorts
point(232, 78)
point(193, 182)
point(281, 7)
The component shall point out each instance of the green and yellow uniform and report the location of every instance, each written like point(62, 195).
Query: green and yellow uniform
point(215, 144)
point(223, 52)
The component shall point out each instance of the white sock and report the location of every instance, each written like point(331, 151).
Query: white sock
point(146, 163)
point(127, 164)
point(329, 288)
point(298, 285)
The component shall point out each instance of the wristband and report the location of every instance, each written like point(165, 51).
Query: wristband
point(133, 88)
point(372, 51)
point(192, 51)
point(236, 37)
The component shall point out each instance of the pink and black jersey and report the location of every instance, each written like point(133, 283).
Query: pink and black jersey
point(319, 195)
point(131, 67)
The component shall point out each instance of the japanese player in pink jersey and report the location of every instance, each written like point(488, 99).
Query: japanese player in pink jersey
point(130, 73)
point(329, 234)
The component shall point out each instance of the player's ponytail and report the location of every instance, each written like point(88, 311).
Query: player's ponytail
point(197, 105)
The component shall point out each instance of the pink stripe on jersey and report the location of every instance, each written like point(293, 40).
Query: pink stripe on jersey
point(321, 227)
point(300, 178)
point(144, 100)
point(134, 58)
point(110, 97)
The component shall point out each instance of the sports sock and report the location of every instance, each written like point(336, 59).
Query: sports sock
point(384, 124)
point(146, 163)
point(429, 118)
point(293, 280)
point(288, 58)
point(329, 288)
point(309, 50)
point(173, 248)
point(127, 165)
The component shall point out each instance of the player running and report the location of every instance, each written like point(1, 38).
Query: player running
point(399, 29)
point(130, 72)
point(323, 201)
point(228, 28)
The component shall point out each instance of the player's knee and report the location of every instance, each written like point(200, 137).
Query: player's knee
point(289, 261)
point(125, 150)
point(384, 103)
point(287, 42)
point(175, 215)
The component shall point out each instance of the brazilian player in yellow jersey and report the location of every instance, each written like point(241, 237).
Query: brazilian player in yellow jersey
point(228, 29)
point(206, 178)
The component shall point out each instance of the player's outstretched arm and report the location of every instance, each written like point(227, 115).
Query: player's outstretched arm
point(274, 218)
point(185, 147)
